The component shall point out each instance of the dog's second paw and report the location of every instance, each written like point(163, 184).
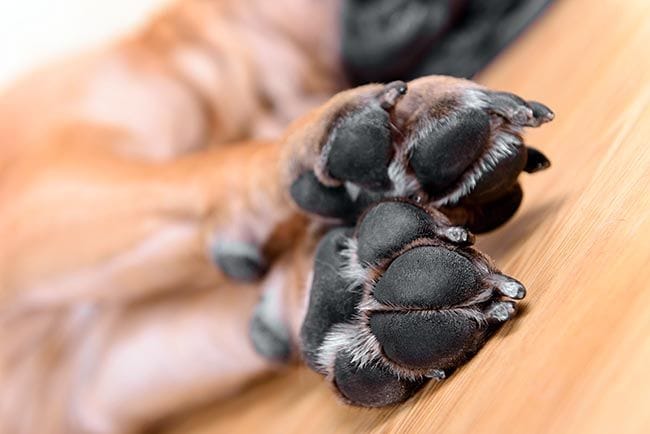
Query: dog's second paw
point(449, 142)
point(399, 300)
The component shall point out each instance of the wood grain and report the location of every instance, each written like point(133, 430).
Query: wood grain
point(577, 359)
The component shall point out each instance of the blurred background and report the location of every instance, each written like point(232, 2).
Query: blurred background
point(33, 32)
point(456, 37)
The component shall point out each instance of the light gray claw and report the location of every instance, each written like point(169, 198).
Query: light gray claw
point(436, 374)
point(500, 311)
point(507, 286)
point(457, 235)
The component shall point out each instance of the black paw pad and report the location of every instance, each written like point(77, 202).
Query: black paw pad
point(388, 227)
point(331, 300)
point(440, 158)
point(371, 386)
point(428, 277)
point(500, 179)
point(361, 148)
point(427, 339)
point(488, 216)
point(314, 197)
point(240, 261)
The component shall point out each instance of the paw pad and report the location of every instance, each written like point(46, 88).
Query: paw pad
point(447, 140)
point(395, 302)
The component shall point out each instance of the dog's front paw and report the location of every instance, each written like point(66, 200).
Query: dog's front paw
point(398, 300)
point(448, 142)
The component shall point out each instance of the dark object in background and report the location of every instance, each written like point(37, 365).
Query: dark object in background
point(385, 40)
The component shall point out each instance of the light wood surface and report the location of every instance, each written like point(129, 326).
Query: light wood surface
point(577, 359)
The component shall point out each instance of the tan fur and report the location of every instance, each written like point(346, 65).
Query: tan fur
point(116, 174)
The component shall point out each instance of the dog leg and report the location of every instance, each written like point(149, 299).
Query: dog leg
point(200, 345)
point(87, 225)
point(125, 322)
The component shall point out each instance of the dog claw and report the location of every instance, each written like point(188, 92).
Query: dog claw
point(519, 111)
point(436, 374)
point(391, 93)
point(500, 311)
point(507, 286)
point(536, 161)
point(458, 235)
point(541, 112)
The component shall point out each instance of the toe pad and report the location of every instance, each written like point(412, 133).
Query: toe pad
point(240, 261)
point(361, 148)
point(314, 197)
point(428, 277)
point(371, 386)
point(331, 300)
point(388, 227)
point(426, 340)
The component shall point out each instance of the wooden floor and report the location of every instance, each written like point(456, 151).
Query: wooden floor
point(577, 359)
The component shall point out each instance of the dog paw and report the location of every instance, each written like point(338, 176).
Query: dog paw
point(398, 300)
point(239, 260)
point(448, 142)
